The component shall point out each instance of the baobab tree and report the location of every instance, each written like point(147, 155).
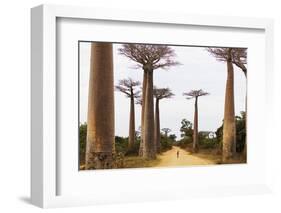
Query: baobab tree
point(166, 131)
point(148, 58)
point(190, 95)
point(100, 122)
point(159, 94)
point(127, 86)
point(231, 56)
point(240, 60)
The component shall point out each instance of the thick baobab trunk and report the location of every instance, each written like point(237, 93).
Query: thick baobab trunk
point(157, 127)
point(132, 123)
point(100, 129)
point(229, 126)
point(142, 111)
point(195, 128)
point(148, 140)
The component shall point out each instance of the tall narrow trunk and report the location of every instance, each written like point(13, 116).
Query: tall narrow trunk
point(148, 140)
point(132, 123)
point(195, 128)
point(100, 123)
point(245, 145)
point(229, 126)
point(157, 127)
point(244, 152)
point(144, 82)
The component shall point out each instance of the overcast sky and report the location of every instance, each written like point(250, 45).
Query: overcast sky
point(198, 70)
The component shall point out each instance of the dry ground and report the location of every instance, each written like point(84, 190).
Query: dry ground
point(169, 159)
point(186, 158)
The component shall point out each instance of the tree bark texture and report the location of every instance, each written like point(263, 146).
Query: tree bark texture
point(144, 82)
point(148, 140)
point(229, 126)
point(132, 123)
point(100, 124)
point(157, 127)
point(195, 128)
point(244, 152)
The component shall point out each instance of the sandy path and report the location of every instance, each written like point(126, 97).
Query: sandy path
point(169, 158)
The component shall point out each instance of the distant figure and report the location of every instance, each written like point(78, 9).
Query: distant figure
point(178, 154)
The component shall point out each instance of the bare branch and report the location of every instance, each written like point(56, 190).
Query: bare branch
point(238, 56)
point(139, 100)
point(127, 86)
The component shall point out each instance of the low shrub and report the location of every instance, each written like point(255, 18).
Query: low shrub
point(121, 144)
point(184, 142)
point(134, 150)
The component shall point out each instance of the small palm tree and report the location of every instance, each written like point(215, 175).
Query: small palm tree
point(195, 94)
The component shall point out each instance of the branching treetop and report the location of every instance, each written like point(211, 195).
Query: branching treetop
point(195, 94)
point(166, 130)
point(160, 93)
point(238, 56)
point(127, 86)
point(149, 57)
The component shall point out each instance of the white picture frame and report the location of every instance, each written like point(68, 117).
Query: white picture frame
point(44, 82)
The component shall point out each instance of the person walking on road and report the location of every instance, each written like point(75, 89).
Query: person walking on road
point(178, 154)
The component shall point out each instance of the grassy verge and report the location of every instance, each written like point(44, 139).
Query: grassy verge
point(138, 162)
point(212, 154)
point(134, 162)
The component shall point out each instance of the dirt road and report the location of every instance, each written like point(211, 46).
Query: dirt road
point(169, 158)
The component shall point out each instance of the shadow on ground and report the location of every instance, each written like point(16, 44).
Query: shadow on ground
point(26, 199)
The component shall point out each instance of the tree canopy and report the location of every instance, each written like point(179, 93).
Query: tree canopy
point(127, 86)
point(166, 130)
point(160, 93)
point(238, 56)
point(195, 94)
point(149, 57)
point(186, 128)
